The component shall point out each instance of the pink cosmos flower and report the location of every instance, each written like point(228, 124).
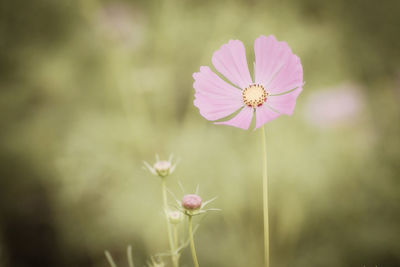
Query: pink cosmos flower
point(336, 106)
point(278, 80)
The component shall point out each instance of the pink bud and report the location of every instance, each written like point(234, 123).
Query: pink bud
point(191, 202)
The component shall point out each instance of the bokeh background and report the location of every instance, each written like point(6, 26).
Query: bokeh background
point(90, 89)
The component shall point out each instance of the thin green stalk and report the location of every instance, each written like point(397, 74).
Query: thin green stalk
point(110, 259)
point(129, 255)
point(192, 248)
point(265, 200)
point(171, 242)
point(175, 235)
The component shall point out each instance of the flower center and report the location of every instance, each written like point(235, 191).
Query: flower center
point(254, 95)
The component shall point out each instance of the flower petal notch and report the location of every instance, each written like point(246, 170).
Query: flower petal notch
point(278, 81)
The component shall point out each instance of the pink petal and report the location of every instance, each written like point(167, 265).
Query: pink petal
point(276, 67)
point(214, 97)
point(230, 61)
point(241, 120)
point(270, 56)
point(286, 103)
point(290, 77)
point(265, 114)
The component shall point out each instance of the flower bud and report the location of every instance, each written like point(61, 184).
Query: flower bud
point(162, 168)
point(191, 202)
point(175, 217)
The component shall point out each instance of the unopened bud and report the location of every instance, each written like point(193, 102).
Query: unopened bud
point(162, 168)
point(175, 217)
point(191, 202)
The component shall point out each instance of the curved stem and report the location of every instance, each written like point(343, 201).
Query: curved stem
point(265, 200)
point(192, 248)
point(171, 242)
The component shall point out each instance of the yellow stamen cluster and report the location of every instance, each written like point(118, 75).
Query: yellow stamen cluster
point(254, 95)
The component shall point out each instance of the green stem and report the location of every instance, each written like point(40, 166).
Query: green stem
point(192, 248)
point(265, 200)
point(175, 227)
point(129, 255)
point(110, 259)
point(171, 242)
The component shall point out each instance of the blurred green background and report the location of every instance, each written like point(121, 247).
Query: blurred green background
point(90, 89)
